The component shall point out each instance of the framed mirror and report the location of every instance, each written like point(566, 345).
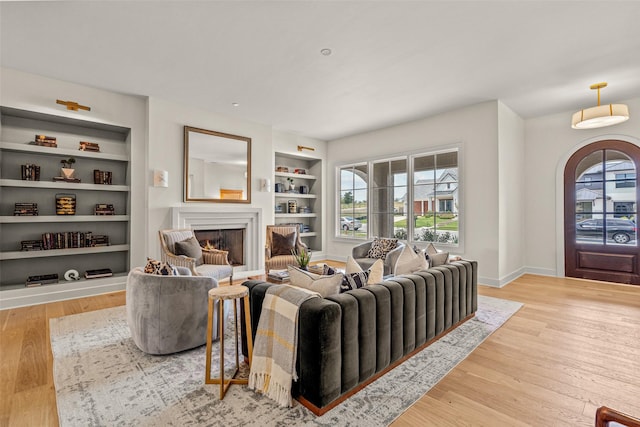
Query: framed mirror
point(217, 167)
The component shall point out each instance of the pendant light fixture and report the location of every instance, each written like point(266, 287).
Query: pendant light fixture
point(601, 115)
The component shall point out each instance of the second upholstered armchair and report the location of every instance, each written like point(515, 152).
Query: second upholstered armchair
point(280, 241)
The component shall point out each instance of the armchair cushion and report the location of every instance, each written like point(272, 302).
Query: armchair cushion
point(381, 246)
point(282, 244)
point(191, 248)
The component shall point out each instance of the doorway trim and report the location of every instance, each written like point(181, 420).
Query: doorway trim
point(562, 163)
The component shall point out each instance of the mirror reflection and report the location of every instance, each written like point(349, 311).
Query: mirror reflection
point(217, 166)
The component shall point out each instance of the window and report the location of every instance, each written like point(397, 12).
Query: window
point(625, 180)
point(412, 197)
point(353, 201)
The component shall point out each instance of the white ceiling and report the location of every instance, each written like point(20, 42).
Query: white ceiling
point(392, 61)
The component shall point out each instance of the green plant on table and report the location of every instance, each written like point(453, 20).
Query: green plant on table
point(303, 256)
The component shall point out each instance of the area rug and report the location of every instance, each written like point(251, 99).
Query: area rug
point(103, 379)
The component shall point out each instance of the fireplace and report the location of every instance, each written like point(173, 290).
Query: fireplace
point(228, 239)
point(246, 220)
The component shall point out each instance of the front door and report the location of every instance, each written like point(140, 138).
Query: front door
point(601, 212)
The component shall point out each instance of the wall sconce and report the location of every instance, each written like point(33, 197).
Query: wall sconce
point(302, 147)
point(160, 178)
point(265, 184)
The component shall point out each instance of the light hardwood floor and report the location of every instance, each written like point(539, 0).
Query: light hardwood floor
point(574, 346)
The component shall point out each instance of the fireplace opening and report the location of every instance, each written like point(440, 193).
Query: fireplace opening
point(231, 240)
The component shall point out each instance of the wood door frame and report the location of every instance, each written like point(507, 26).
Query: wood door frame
point(570, 251)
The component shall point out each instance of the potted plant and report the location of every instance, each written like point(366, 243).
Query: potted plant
point(291, 184)
point(67, 170)
point(303, 257)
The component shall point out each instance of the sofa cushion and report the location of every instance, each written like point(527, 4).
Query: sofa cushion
point(409, 261)
point(441, 258)
point(324, 285)
point(381, 246)
point(375, 271)
point(282, 244)
point(160, 268)
point(191, 248)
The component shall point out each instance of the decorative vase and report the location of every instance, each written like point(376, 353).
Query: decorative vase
point(292, 187)
point(67, 172)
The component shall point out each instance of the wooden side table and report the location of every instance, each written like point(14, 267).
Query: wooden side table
point(234, 293)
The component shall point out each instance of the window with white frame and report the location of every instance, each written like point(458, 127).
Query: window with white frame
point(412, 197)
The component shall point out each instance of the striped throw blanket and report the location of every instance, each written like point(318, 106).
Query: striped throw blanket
point(273, 364)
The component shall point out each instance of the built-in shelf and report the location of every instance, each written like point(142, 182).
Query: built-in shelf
point(61, 185)
point(22, 290)
point(63, 218)
point(309, 234)
point(295, 196)
point(295, 175)
point(62, 252)
point(63, 152)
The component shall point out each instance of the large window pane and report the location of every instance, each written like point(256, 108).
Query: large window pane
point(353, 201)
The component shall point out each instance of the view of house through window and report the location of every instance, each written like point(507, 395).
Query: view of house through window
point(413, 197)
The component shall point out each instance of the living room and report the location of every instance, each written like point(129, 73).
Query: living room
point(510, 166)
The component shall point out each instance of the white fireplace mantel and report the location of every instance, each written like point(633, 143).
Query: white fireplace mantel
point(218, 218)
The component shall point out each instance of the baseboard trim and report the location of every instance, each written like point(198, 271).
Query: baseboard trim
point(541, 271)
point(322, 410)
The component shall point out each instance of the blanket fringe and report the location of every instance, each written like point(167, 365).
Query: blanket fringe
point(263, 383)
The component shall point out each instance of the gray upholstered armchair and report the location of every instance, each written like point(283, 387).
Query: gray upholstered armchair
point(359, 254)
point(277, 256)
point(215, 263)
point(167, 314)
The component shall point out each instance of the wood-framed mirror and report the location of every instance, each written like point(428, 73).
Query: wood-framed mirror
point(217, 167)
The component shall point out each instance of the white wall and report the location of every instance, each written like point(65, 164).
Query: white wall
point(476, 129)
point(549, 142)
point(511, 194)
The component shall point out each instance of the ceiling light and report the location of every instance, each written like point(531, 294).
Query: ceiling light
point(600, 116)
point(325, 52)
point(235, 104)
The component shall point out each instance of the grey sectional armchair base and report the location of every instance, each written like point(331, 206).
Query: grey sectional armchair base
point(348, 340)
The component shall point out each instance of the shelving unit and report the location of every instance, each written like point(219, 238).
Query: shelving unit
point(19, 128)
point(312, 179)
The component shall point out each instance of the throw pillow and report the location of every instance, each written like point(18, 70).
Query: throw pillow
point(354, 280)
point(375, 272)
point(409, 262)
point(324, 285)
point(327, 270)
point(440, 258)
point(191, 248)
point(282, 244)
point(431, 250)
point(160, 268)
point(381, 246)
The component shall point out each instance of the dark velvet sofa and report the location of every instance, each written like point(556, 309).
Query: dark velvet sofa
point(348, 340)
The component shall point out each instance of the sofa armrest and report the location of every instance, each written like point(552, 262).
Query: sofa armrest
point(361, 250)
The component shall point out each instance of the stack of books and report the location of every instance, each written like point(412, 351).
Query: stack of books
point(280, 276)
point(65, 204)
point(101, 177)
point(25, 209)
point(43, 279)
point(30, 172)
point(104, 209)
point(31, 245)
point(100, 240)
point(94, 274)
point(89, 146)
point(45, 141)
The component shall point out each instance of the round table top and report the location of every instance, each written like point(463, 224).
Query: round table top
point(228, 292)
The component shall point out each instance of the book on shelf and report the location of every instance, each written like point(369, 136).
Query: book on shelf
point(94, 274)
point(102, 177)
point(42, 279)
point(89, 146)
point(45, 144)
point(31, 245)
point(104, 209)
point(279, 275)
point(30, 172)
point(63, 179)
point(25, 209)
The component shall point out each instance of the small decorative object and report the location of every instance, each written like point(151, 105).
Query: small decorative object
point(104, 209)
point(45, 141)
point(300, 171)
point(72, 105)
point(65, 204)
point(31, 245)
point(278, 209)
point(71, 275)
point(30, 172)
point(291, 184)
point(292, 206)
point(279, 187)
point(282, 169)
point(94, 274)
point(102, 177)
point(67, 171)
point(89, 146)
point(25, 209)
point(302, 257)
point(304, 189)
